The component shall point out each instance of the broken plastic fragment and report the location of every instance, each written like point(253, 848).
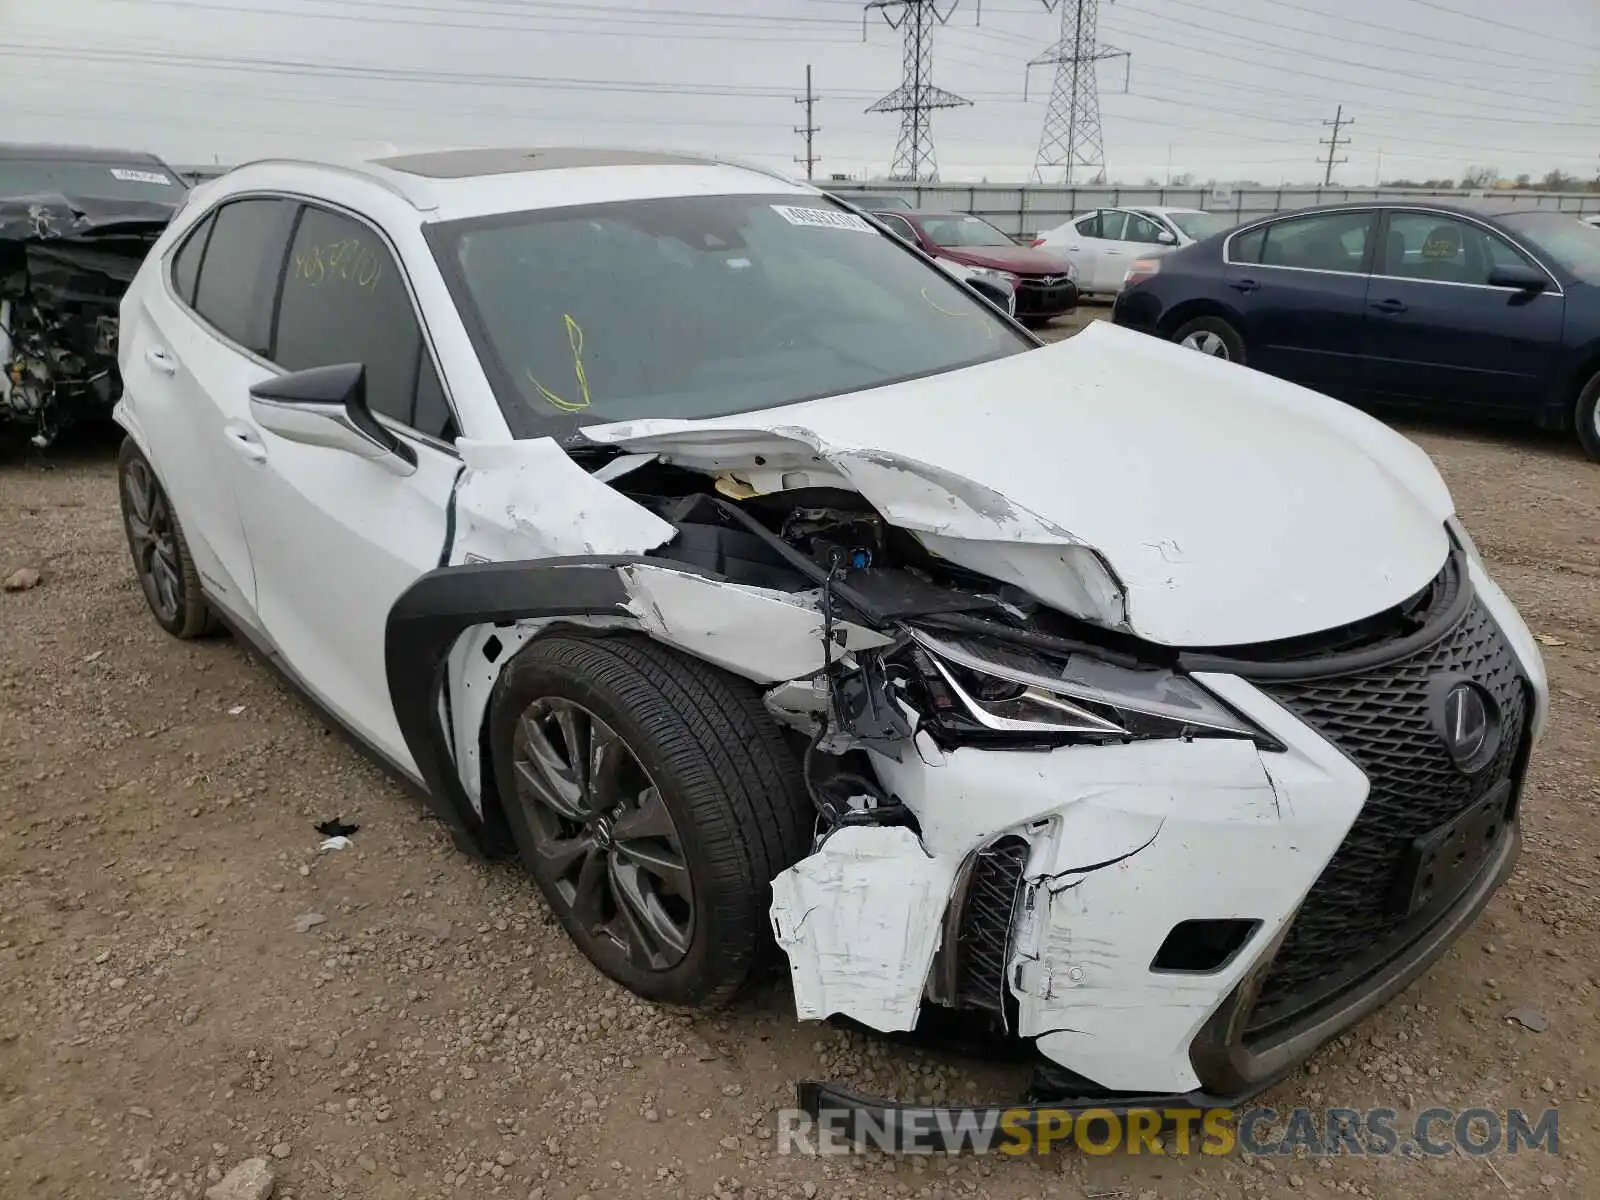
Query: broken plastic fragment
point(336, 843)
point(860, 920)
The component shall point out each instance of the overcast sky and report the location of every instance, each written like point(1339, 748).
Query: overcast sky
point(1222, 89)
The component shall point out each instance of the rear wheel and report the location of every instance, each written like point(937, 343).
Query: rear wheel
point(161, 558)
point(1587, 417)
point(1211, 336)
point(652, 798)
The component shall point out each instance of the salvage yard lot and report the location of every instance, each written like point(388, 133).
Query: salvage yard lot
point(170, 1004)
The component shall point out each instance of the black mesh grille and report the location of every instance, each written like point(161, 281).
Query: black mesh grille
point(1384, 720)
point(983, 942)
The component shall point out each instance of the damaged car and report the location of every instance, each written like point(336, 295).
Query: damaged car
point(75, 223)
point(778, 601)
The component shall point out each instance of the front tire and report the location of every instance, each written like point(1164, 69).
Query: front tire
point(1587, 416)
point(161, 558)
point(1211, 336)
point(652, 798)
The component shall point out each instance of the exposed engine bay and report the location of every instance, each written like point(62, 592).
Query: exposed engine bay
point(64, 266)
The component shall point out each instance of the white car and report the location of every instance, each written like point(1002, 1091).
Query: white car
point(1591, 219)
point(1104, 243)
point(687, 536)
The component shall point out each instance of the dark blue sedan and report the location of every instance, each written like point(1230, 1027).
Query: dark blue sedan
point(1438, 305)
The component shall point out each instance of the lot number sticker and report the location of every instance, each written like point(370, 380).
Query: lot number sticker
point(821, 218)
point(129, 175)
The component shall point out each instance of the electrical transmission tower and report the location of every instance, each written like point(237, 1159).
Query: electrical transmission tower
point(1334, 142)
point(916, 97)
point(810, 129)
point(1071, 136)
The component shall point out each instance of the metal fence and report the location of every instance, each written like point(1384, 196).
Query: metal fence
point(1023, 210)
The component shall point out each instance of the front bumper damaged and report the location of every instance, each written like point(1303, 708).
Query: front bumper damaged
point(1124, 843)
point(1230, 1073)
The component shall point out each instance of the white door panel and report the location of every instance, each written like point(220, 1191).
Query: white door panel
point(188, 385)
point(335, 540)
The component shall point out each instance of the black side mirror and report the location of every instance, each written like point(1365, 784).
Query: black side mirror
point(1520, 276)
point(327, 406)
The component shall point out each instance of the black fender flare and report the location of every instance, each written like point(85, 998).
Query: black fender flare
point(427, 618)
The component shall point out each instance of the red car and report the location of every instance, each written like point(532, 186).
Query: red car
point(1046, 284)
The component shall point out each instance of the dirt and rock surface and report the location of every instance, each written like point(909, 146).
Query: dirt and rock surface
point(187, 983)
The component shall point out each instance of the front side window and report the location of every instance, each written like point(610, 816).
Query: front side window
point(700, 306)
point(239, 273)
point(961, 232)
point(1441, 249)
point(900, 225)
point(1143, 230)
point(1334, 241)
point(344, 300)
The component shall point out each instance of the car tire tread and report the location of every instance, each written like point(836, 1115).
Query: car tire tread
point(734, 782)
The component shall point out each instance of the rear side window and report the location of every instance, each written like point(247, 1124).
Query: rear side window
point(1332, 241)
point(344, 300)
point(186, 262)
point(240, 271)
point(1089, 226)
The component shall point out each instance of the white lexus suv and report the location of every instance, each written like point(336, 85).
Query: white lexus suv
point(768, 592)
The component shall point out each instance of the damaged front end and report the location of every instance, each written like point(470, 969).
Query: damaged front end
point(64, 266)
point(1032, 821)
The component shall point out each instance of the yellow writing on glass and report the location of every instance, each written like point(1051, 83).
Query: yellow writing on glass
point(346, 259)
point(575, 340)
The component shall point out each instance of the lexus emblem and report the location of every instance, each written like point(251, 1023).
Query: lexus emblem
point(1470, 725)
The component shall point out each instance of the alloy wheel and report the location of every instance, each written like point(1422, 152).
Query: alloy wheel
point(153, 535)
point(602, 834)
point(1206, 342)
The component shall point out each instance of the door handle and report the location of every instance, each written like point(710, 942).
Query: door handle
point(1390, 306)
point(245, 442)
point(158, 358)
point(1245, 285)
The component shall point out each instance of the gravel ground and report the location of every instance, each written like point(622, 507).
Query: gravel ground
point(185, 982)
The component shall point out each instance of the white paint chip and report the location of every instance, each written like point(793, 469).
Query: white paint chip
point(860, 921)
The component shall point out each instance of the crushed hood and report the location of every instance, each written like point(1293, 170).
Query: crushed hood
point(54, 216)
point(1119, 478)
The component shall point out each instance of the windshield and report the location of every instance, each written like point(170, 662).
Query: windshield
point(1197, 226)
point(1562, 237)
point(955, 232)
point(102, 180)
point(701, 306)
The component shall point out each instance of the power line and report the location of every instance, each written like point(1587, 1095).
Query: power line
point(1538, 66)
point(1514, 28)
point(1299, 72)
point(810, 128)
point(1072, 135)
point(916, 97)
point(1333, 143)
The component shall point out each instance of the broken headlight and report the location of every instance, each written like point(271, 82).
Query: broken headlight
point(976, 691)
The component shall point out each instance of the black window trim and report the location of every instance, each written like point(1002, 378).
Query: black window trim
point(301, 202)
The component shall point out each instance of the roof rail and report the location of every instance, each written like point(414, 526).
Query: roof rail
point(359, 169)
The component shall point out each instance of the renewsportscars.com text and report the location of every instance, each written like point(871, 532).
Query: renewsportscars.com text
point(1263, 1132)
